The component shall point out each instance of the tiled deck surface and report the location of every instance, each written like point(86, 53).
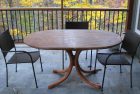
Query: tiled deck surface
point(22, 82)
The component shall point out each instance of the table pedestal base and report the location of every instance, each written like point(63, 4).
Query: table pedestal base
point(66, 72)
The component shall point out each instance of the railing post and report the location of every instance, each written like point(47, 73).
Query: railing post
point(129, 14)
point(62, 13)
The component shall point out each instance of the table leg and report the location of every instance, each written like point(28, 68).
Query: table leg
point(61, 71)
point(74, 62)
point(89, 71)
point(67, 71)
point(92, 84)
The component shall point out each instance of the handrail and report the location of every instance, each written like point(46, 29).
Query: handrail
point(56, 8)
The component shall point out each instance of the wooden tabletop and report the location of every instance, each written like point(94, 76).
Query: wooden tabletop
point(72, 39)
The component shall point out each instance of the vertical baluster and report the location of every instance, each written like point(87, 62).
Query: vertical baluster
point(72, 15)
point(25, 22)
point(95, 18)
point(3, 20)
point(77, 15)
point(100, 21)
point(38, 20)
point(48, 19)
point(104, 19)
point(34, 20)
point(7, 19)
point(113, 21)
point(16, 19)
point(86, 15)
point(62, 19)
point(109, 21)
point(117, 23)
point(29, 20)
point(43, 18)
point(52, 19)
point(21, 29)
point(122, 21)
point(12, 23)
point(82, 15)
point(126, 14)
point(91, 21)
point(68, 15)
point(56, 19)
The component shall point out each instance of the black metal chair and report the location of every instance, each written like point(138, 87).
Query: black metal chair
point(108, 50)
point(128, 47)
point(7, 46)
point(77, 25)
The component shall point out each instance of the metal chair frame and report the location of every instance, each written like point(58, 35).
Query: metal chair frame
point(9, 42)
point(124, 46)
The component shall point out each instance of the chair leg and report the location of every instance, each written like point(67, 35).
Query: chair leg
point(131, 76)
point(34, 75)
point(90, 66)
point(103, 78)
point(6, 75)
point(95, 60)
point(86, 54)
point(40, 60)
point(65, 55)
point(63, 60)
point(41, 63)
point(16, 67)
point(120, 69)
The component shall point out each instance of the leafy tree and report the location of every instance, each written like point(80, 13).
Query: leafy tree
point(29, 3)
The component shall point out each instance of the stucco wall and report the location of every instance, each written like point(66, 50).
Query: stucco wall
point(135, 15)
point(135, 20)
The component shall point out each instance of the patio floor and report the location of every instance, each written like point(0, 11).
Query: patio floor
point(22, 82)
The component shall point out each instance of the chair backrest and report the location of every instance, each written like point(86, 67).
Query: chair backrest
point(131, 42)
point(6, 42)
point(76, 25)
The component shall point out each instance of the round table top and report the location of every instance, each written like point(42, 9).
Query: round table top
point(72, 39)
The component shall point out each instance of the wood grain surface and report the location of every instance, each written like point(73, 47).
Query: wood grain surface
point(72, 39)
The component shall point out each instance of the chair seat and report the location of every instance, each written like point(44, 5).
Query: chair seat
point(24, 57)
point(113, 60)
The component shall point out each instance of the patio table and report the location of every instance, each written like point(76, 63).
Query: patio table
point(73, 40)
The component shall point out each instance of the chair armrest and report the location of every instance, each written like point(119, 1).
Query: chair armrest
point(115, 53)
point(16, 51)
point(112, 53)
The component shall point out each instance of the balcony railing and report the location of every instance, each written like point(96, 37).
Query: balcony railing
point(23, 21)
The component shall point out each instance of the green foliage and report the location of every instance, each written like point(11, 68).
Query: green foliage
point(29, 3)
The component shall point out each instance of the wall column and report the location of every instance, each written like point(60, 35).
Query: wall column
point(129, 15)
